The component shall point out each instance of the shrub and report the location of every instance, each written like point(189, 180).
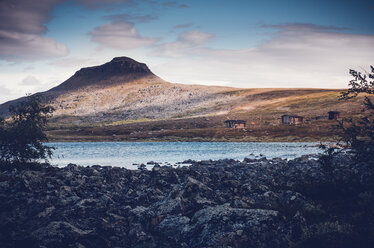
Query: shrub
point(22, 134)
point(357, 134)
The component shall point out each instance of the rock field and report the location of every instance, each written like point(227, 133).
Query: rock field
point(225, 203)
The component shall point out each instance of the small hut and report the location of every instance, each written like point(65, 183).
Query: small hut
point(333, 115)
point(235, 124)
point(292, 119)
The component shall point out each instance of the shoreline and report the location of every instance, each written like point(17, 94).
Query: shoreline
point(182, 141)
point(197, 140)
point(131, 154)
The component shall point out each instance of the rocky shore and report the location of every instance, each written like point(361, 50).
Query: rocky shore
point(225, 203)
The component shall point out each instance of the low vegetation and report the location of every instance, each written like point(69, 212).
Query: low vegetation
point(22, 134)
point(356, 133)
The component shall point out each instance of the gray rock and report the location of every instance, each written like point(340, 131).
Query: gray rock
point(224, 203)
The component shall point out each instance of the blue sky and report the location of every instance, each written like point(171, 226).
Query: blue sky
point(278, 44)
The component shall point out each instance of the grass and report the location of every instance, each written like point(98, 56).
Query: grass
point(124, 122)
point(261, 108)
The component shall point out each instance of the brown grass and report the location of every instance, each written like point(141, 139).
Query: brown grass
point(261, 108)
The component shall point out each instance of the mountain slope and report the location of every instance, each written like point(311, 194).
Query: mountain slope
point(124, 91)
point(119, 71)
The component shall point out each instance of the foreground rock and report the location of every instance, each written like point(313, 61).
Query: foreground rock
point(225, 203)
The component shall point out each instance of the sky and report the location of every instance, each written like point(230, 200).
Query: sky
point(238, 43)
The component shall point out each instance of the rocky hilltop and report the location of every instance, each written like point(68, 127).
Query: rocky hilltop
point(226, 203)
point(120, 70)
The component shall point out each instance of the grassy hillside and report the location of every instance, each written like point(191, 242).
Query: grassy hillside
point(204, 121)
point(124, 100)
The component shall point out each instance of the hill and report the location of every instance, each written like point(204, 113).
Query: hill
point(124, 100)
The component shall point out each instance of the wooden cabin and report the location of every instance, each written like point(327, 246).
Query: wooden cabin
point(292, 119)
point(235, 124)
point(333, 115)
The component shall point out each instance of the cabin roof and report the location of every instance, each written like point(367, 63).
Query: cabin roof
point(295, 116)
point(237, 121)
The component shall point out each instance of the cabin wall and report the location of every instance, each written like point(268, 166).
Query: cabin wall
point(295, 120)
point(233, 124)
point(239, 125)
point(285, 119)
point(292, 120)
point(333, 116)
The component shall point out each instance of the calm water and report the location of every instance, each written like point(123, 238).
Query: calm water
point(128, 154)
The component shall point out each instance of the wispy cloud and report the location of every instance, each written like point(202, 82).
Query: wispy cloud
point(183, 26)
point(175, 5)
point(186, 42)
point(30, 80)
point(131, 18)
point(120, 35)
point(183, 6)
point(4, 91)
point(72, 62)
point(195, 37)
point(296, 55)
point(307, 27)
point(100, 3)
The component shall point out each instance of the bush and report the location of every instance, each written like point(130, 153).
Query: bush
point(22, 134)
point(357, 134)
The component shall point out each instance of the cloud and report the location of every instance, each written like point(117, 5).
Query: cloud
point(90, 2)
point(30, 80)
point(183, 6)
point(295, 55)
point(25, 16)
point(28, 68)
point(195, 37)
point(120, 35)
point(5, 94)
point(175, 5)
point(72, 62)
point(22, 29)
point(185, 45)
point(4, 90)
point(131, 18)
point(183, 26)
point(306, 27)
point(98, 3)
point(16, 46)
